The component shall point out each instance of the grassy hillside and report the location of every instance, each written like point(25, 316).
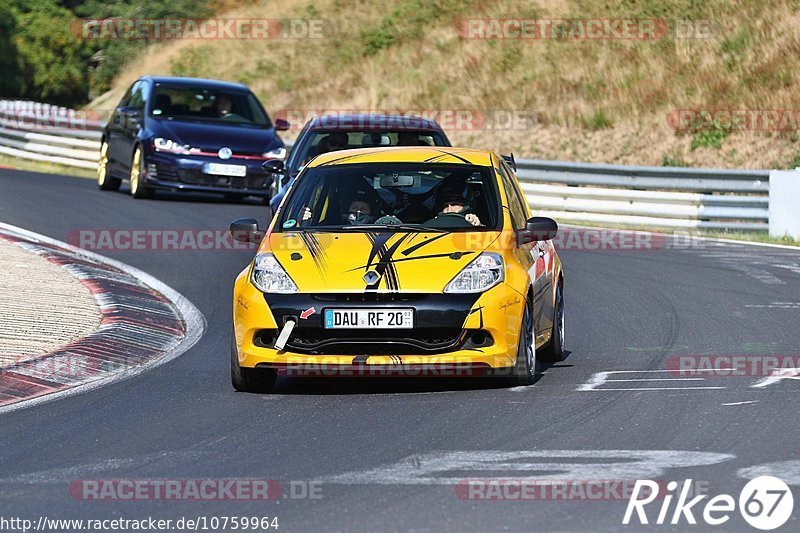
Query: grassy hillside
point(593, 100)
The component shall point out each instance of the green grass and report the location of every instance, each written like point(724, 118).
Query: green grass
point(47, 168)
point(599, 120)
point(746, 236)
point(759, 236)
point(673, 160)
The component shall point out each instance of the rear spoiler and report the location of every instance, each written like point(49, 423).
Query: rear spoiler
point(511, 161)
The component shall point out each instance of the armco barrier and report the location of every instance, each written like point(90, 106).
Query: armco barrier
point(668, 197)
point(42, 132)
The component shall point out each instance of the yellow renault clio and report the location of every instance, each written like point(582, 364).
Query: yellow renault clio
point(406, 260)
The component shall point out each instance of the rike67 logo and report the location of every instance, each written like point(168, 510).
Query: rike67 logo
point(765, 503)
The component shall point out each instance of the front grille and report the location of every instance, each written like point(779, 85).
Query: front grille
point(417, 341)
point(386, 297)
point(164, 172)
point(196, 177)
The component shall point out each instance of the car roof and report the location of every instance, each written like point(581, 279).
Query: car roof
point(405, 154)
point(193, 82)
point(372, 121)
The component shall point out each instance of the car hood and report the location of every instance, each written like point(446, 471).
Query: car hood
point(214, 136)
point(409, 262)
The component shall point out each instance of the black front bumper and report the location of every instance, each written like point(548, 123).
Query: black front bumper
point(166, 171)
point(438, 324)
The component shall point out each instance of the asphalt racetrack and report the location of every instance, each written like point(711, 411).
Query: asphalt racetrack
point(385, 454)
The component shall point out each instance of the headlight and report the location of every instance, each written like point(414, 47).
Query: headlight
point(269, 276)
point(483, 273)
point(277, 153)
point(168, 145)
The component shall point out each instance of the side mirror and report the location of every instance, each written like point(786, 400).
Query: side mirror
point(281, 124)
point(511, 161)
point(130, 112)
point(538, 229)
point(246, 230)
point(274, 166)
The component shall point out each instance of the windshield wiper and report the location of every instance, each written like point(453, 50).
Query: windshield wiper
point(368, 227)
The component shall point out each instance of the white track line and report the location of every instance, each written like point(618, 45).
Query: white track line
point(601, 378)
point(654, 389)
point(194, 319)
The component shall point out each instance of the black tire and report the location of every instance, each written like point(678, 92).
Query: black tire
point(138, 188)
point(524, 371)
point(105, 181)
point(254, 380)
point(554, 351)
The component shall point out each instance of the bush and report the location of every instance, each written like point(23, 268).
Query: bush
point(598, 121)
point(677, 160)
point(42, 59)
point(795, 162)
point(376, 39)
point(710, 138)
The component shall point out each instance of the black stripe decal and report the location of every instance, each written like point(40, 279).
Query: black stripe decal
point(454, 156)
point(384, 267)
point(412, 249)
point(432, 256)
point(339, 160)
point(316, 251)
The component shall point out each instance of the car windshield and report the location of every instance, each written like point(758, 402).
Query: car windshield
point(202, 104)
point(393, 196)
point(320, 142)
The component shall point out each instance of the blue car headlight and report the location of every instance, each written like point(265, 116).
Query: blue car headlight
point(169, 146)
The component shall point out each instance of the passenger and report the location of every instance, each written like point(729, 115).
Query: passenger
point(359, 210)
point(335, 141)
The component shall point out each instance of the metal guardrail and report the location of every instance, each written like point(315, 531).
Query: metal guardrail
point(41, 132)
point(668, 197)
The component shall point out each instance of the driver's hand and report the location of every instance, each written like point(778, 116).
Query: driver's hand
point(473, 219)
point(307, 214)
point(388, 220)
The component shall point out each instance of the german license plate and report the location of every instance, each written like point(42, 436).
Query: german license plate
point(218, 169)
point(369, 318)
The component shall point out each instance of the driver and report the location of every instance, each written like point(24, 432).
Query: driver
point(223, 105)
point(450, 203)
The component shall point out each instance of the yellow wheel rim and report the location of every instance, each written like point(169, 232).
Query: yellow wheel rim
point(102, 164)
point(135, 171)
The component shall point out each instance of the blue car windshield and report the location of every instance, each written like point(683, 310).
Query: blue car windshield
point(320, 142)
point(199, 104)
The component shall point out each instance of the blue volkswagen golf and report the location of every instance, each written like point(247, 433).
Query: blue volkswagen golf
point(190, 134)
